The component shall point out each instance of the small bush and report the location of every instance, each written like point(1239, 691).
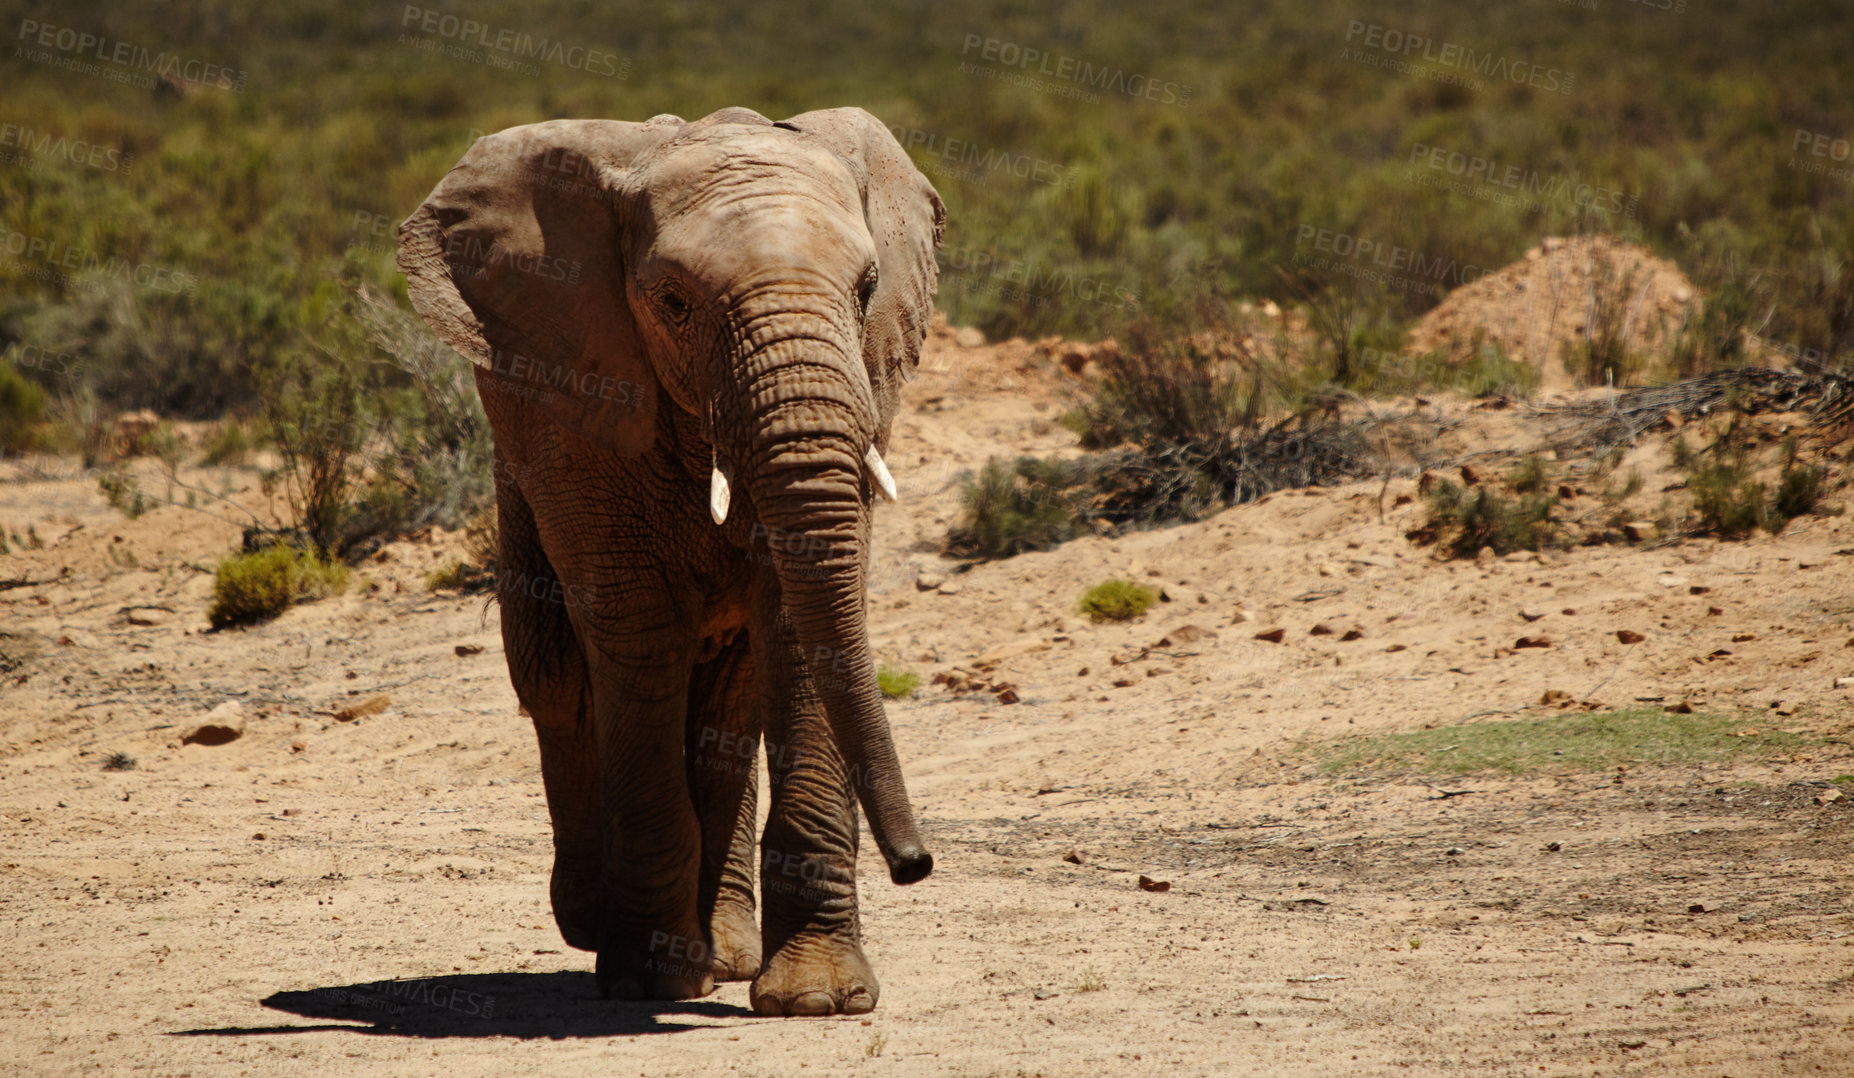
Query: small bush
point(1463, 520)
point(123, 491)
point(1528, 476)
point(22, 407)
point(897, 683)
point(1117, 600)
point(119, 761)
point(229, 445)
point(1727, 501)
point(454, 576)
point(1798, 491)
point(255, 587)
point(1032, 504)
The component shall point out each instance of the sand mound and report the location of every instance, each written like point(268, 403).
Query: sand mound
point(1535, 308)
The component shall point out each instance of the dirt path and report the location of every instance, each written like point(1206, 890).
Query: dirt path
point(369, 897)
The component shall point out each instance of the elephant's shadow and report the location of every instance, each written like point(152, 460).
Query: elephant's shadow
point(554, 1005)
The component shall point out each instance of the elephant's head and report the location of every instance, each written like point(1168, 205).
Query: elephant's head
point(771, 280)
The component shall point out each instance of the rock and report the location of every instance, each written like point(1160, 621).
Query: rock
point(211, 734)
point(926, 581)
point(1351, 635)
point(1682, 708)
point(1844, 683)
point(1629, 636)
point(1714, 611)
point(1531, 614)
point(1469, 475)
point(1241, 616)
point(968, 337)
point(1327, 568)
point(1555, 696)
point(1273, 636)
point(1702, 907)
point(373, 705)
point(469, 649)
point(949, 588)
point(1740, 638)
point(1485, 557)
point(1191, 634)
point(1073, 857)
point(1698, 589)
point(1519, 556)
point(1008, 696)
point(1453, 851)
point(1147, 883)
point(1532, 642)
point(1671, 581)
point(1827, 796)
point(148, 615)
point(1321, 629)
point(297, 746)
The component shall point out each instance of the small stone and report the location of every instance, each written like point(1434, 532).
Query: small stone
point(1008, 696)
point(1532, 642)
point(212, 734)
point(1531, 614)
point(1241, 616)
point(1073, 857)
point(1741, 638)
point(469, 649)
point(1453, 851)
point(149, 615)
point(1638, 531)
point(297, 746)
point(1555, 696)
point(1714, 611)
point(373, 705)
point(1682, 708)
point(1273, 636)
point(1698, 589)
point(950, 588)
point(925, 581)
point(1844, 683)
point(1147, 883)
point(1827, 796)
point(1320, 630)
point(1629, 636)
point(968, 337)
point(1485, 557)
point(1351, 635)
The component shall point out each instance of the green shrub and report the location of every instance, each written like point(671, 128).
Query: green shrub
point(1728, 502)
point(124, 492)
point(1116, 600)
point(230, 444)
point(1528, 476)
point(1462, 520)
point(22, 408)
point(897, 683)
point(1032, 504)
point(255, 587)
point(1798, 491)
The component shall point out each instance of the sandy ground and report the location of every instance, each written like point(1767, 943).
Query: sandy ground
point(369, 897)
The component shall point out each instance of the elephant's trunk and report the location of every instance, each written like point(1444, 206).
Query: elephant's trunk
point(811, 426)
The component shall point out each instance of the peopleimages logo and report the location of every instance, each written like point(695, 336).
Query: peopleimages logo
point(80, 43)
point(518, 44)
point(1029, 60)
point(983, 159)
point(17, 142)
point(1400, 44)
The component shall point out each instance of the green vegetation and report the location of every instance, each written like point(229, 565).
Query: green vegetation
point(1729, 500)
point(1116, 600)
point(1463, 519)
point(1034, 504)
point(897, 683)
point(1073, 216)
point(255, 587)
point(1588, 742)
point(22, 408)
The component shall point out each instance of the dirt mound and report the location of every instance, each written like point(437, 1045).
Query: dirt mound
point(1562, 292)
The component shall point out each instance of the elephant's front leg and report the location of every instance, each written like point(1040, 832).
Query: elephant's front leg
point(654, 945)
point(810, 931)
point(723, 764)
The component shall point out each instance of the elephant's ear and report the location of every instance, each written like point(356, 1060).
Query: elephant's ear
point(514, 261)
point(907, 221)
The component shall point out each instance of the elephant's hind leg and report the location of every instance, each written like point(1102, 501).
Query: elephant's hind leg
point(723, 751)
point(810, 934)
point(549, 675)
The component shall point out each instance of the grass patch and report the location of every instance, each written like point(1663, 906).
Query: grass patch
point(1032, 504)
point(1589, 742)
point(1116, 600)
point(255, 587)
point(896, 683)
point(1465, 519)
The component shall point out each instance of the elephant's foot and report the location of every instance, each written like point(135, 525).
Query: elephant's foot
point(815, 975)
point(737, 940)
point(633, 978)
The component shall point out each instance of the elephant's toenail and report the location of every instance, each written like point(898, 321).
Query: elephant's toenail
point(859, 1001)
point(768, 1006)
point(812, 1003)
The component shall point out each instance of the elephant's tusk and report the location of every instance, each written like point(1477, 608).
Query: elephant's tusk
point(884, 482)
point(718, 493)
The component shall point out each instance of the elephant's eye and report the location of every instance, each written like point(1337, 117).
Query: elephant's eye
point(865, 290)
point(674, 305)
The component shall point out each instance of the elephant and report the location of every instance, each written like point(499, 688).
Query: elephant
point(689, 340)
